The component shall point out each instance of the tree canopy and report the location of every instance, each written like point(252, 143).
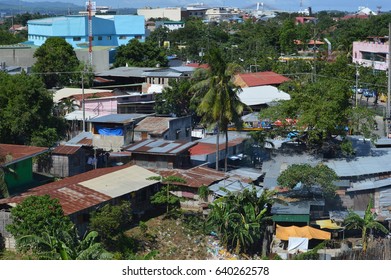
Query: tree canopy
point(310, 177)
point(26, 112)
point(138, 54)
point(56, 63)
point(38, 215)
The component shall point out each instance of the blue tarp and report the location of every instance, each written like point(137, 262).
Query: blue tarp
point(117, 131)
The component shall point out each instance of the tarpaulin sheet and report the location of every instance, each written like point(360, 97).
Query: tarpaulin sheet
point(296, 244)
point(118, 131)
point(329, 224)
point(283, 233)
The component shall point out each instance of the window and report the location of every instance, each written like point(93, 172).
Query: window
point(76, 39)
point(137, 37)
point(108, 38)
point(187, 131)
point(122, 37)
point(99, 38)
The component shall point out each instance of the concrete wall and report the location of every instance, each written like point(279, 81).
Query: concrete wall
point(174, 13)
point(101, 107)
point(16, 56)
point(180, 124)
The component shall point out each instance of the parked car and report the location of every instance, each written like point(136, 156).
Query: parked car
point(369, 93)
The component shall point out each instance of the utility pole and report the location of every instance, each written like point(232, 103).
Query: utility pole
point(90, 33)
point(356, 89)
point(83, 101)
point(389, 79)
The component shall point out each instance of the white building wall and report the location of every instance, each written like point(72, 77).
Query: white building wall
point(174, 14)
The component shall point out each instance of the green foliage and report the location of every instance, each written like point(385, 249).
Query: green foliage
point(26, 110)
point(203, 192)
point(38, 216)
point(110, 221)
point(311, 254)
point(287, 37)
point(64, 245)
point(175, 99)
point(164, 196)
point(138, 54)
point(354, 221)
point(56, 62)
point(321, 108)
point(347, 148)
point(7, 38)
point(240, 219)
point(361, 121)
point(320, 175)
point(220, 104)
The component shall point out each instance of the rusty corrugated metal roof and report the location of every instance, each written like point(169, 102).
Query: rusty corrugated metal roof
point(194, 177)
point(260, 79)
point(66, 150)
point(21, 152)
point(72, 195)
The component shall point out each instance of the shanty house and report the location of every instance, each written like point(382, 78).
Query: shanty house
point(167, 128)
point(82, 194)
point(112, 132)
point(156, 153)
point(17, 161)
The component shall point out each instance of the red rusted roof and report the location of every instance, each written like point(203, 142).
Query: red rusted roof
point(85, 141)
point(209, 148)
point(66, 150)
point(72, 196)
point(195, 177)
point(20, 152)
point(260, 79)
point(79, 97)
point(197, 65)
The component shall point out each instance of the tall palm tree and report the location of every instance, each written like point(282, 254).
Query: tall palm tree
point(220, 104)
point(368, 222)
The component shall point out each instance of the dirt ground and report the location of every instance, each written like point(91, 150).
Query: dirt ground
point(172, 238)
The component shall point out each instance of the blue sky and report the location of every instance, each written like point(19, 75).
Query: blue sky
point(289, 5)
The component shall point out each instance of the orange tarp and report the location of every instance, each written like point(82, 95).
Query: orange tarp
point(283, 233)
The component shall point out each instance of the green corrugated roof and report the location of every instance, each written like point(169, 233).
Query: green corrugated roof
point(291, 218)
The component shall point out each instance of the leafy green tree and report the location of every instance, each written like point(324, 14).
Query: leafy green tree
point(220, 104)
point(38, 215)
point(25, 109)
point(287, 36)
point(56, 62)
point(138, 54)
point(319, 175)
point(165, 195)
point(368, 222)
point(321, 108)
point(111, 221)
point(175, 99)
point(7, 38)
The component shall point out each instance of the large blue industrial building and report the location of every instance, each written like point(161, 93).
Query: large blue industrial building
point(107, 30)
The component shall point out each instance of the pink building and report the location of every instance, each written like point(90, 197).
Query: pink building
point(372, 53)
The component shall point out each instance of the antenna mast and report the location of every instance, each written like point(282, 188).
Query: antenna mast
point(90, 33)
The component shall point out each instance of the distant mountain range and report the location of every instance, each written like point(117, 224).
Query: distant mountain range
point(45, 7)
